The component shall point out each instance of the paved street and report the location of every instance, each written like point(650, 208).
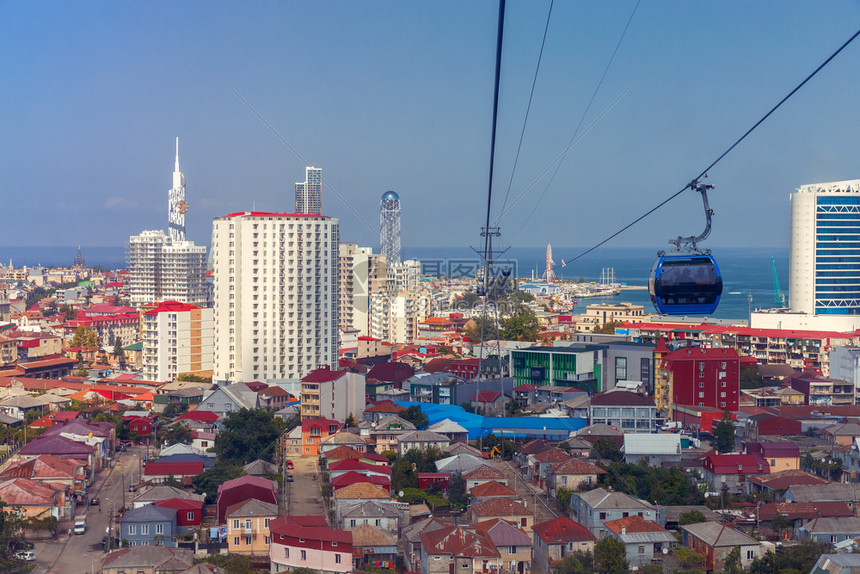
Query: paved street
point(304, 495)
point(77, 554)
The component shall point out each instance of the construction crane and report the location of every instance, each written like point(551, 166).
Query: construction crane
point(778, 295)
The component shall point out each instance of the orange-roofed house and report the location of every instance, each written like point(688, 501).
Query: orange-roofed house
point(458, 549)
point(36, 499)
point(492, 489)
point(381, 410)
point(643, 539)
point(508, 509)
point(571, 474)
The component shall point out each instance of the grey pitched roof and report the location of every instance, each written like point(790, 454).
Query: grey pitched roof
point(673, 513)
point(459, 463)
point(822, 492)
point(380, 426)
point(604, 499)
point(163, 492)
point(422, 436)
point(719, 535)
point(370, 509)
point(343, 437)
point(834, 525)
point(261, 468)
point(646, 537)
point(252, 507)
point(149, 513)
point(148, 557)
point(447, 425)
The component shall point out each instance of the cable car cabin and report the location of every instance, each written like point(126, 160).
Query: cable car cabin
point(685, 284)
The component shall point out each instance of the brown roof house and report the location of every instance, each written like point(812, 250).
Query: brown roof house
point(714, 541)
point(492, 489)
point(148, 560)
point(459, 549)
point(483, 474)
point(356, 494)
point(643, 539)
point(556, 538)
point(508, 509)
point(571, 474)
point(513, 543)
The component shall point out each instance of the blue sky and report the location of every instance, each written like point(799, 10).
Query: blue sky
point(397, 95)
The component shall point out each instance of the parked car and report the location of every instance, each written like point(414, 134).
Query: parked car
point(290, 478)
point(25, 555)
point(133, 487)
point(22, 545)
point(120, 447)
point(289, 464)
point(95, 502)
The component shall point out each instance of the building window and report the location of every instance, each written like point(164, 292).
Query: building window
point(235, 541)
point(235, 524)
point(337, 558)
point(247, 540)
point(750, 554)
point(268, 540)
point(190, 516)
point(159, 528)
point(304, 555)
point(132, 529)
point(620, 368)
point(286, 552)
point(266, 522)
point(144, 529)
point(641, 550)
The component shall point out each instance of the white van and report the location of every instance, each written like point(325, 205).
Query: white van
point(80, 524)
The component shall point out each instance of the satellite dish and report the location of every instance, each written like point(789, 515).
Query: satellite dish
point(665, 551)
point(400, 494)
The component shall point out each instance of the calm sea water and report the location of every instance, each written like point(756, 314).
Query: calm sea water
point(745, 271)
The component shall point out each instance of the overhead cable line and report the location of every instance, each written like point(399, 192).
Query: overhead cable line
point(705, 171)
point(375, 231)
point(529, 107)
point(582, 118)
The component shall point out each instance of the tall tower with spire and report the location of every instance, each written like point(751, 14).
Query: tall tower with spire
point(177, 206)
point(389, 227)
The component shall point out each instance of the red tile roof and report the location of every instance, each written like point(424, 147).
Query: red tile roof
point(200, 416)
point(384, 407)
point(575, 466)
point(309, 528)
point(500, 507)
point(492, 489)
point(562, 530)
point(551, 455)
point(633, 524)
point(735, 464)
point(323, 375)
point(623, 398)
point(352, 464)
point(459, 542)
point(155, 468)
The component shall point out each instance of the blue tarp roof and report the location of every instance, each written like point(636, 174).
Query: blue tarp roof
point(509, 427)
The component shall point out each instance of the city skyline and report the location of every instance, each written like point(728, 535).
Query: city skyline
point(402, 99)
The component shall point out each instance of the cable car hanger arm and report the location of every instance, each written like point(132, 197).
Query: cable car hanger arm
point(689, 243)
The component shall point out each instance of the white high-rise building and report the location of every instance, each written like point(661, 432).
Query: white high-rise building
point(276, 295)
point(161, 269)
point(176, 204)
point(824, 263)
point(361, 272)
point(309, 192)
point(177, 338)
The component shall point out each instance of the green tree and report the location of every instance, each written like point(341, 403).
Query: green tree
point(85, 337)
point(236, 564)
point(781, 523)
point(732, 564)
point(750, 378)
point(119, 352)
point(416, 416)
point(522, 325)
point(666, 486)
point(606, 449)
point(577, 562)
point(173, 410)
point(562, 495)
point(610, 557)
point(724, 434)
point(177, 433)
point(692, 517)
point(248, 435)
point(208, 481)
point(482, 328)
point(10, 525)
point(191, 378)
point(456, 492)
point(350, 422)
point(609, 327)
point(798, 558)
point(688, 558)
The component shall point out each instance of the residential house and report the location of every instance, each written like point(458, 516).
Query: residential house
point(162, 492)
point(595, 431)
point(780, 456)
point(483, 474)
point(345, 452)
point(63, 447)
point(843, 434)
point(731, 471)
point(508, 509)
point(375, 546)
point(36, 499)
point(571, 475)
point(372, 513)
point(386, 376)
point(189, 513)
point(594, 508)
point(49, 468)
point(412, 539)
point(458, 549)
point(777, 483)
point(462, 463)
point(313, 431)
point(643, 539)
point(228, 398)
point(542, 463)
point(357, 494)
point(242, 489)
point(341, 467)
point(802, 512)
point(148, 560)
point(156, 471)
point(342, 438)
point(837, 564)
point(630, 412)
point(452, 430)
point(556, 538)
point(274, 398)
point(149, 525)
point(248, 526)
point(714, 541)
point(655, 449)
point(831, 530)
point(830, 492)
point(513, 543)
point(386, 432)
point(421, 440)
point(438, 388)
point(332, 394)
point(308, 542)
point(492, 489)
point(380, 410)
